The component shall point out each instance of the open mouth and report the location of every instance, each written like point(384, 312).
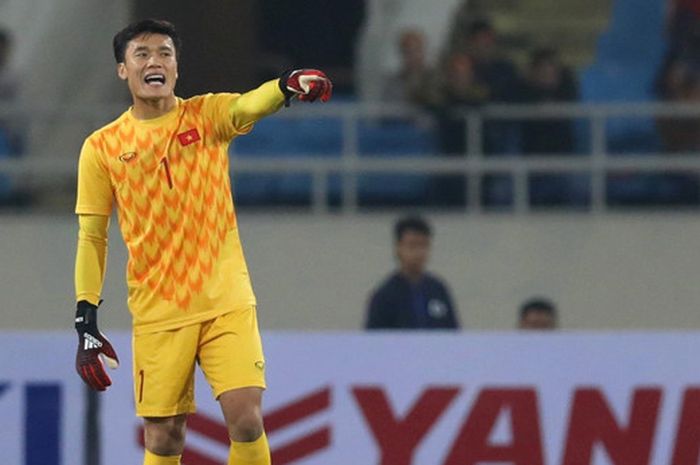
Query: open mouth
point(155, 80)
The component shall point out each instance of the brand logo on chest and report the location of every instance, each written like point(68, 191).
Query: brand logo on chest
point(127, 157)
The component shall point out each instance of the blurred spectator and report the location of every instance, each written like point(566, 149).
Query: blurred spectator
point(9, 87)
point(9, 83)
point(678, 79)
point(683, 26)
point(474, 73)
point(678, 82)
point(479, 41)
point(414, 81)
point(495, 77)
point(547, 80)
point(9, 140)
point(460, 88)
point(411, 298)
point(539, 314)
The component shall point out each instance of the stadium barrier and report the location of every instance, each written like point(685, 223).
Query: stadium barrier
point(596, 121)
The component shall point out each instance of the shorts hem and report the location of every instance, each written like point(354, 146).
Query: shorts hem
point(245, 384)
point(166, 412)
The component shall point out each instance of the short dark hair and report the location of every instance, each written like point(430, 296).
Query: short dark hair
point(538, 304)
point(411, 223)
point(148, 26)
point(543, 55)
point(5, 36)
point(478, 26)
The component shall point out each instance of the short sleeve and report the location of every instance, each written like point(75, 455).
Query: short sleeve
point(219, 109)
point(94, 187)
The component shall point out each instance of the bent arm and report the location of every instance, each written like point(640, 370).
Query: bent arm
point(91, 257)
point(378, 316)
point(256, 104)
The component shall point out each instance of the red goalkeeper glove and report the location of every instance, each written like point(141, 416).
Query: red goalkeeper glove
point(306, 84)
point(92, 345)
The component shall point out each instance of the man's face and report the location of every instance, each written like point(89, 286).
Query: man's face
point(547, 74)
point(150, 66)
point(538, 319)
point(412, 46)
point(413, 251)
point(482, 45)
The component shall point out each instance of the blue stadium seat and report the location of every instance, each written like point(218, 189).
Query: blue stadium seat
point(628, 56)
point(323, 137)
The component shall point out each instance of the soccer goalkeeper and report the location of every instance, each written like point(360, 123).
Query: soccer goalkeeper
point(163, 163)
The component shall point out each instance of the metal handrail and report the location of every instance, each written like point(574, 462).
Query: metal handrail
point(350, 164)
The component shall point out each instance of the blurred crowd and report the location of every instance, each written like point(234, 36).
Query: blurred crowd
point(472, 71)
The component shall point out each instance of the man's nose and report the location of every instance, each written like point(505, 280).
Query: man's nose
point(153, 61)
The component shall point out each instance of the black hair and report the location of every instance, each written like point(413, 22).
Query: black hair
point(411, 223)
point(543, 55)
point(5, 36)
point(538, 304)
point(148, 26)
point(478, 26)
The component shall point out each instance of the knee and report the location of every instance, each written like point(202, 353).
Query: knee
point(247, 427)
point(165, 436)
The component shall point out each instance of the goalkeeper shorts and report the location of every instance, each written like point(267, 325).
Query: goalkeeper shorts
point(227, 348)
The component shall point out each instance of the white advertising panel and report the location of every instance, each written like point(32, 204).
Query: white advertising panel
point(392, 399)
point(467, 399)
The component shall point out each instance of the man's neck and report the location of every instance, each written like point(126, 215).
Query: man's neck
point(413, 277)
point(149, 109)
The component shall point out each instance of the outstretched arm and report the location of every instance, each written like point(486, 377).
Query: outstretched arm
point(305, 84)
point(257, 104)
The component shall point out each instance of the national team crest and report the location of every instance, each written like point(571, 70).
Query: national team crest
point(189, 137)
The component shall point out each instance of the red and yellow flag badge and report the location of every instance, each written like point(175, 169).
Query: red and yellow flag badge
point(189, 137)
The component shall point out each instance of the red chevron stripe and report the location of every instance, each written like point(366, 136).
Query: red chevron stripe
point(298, 410)
point(207, 427)
point(281, 417)
point(302, 447)
point(191, 457)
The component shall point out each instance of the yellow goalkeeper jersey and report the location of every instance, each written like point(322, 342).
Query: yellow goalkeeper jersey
point(168, 178)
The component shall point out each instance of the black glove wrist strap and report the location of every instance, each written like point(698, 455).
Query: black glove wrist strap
point(86, 316)
point(282, 83)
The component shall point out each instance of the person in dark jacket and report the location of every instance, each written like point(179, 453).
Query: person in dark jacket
point(411, 298)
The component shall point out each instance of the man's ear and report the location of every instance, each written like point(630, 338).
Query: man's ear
point(121, 71)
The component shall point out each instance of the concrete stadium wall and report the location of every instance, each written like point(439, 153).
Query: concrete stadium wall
point(63, 57)
point(611, 272)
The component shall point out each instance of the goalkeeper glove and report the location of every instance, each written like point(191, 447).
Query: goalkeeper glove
point(91, 345)
point(308, 84)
